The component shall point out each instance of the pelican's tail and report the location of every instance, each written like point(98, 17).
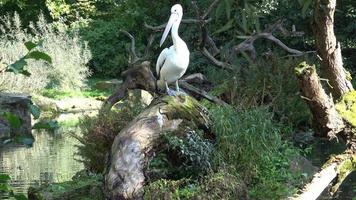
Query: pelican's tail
point(160, 85)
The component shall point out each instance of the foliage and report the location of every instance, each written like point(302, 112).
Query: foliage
point(98, 134)
point(185, 156)
point(83, 186)
point(69, 56)
point(5, 188)
point(270, 82)
point(215, 185)
point(251, 141)
point(347, 107)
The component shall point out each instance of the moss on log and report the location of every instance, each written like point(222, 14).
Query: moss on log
point(326, 120)
point(134, 145)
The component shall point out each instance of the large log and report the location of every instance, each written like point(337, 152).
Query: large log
point(326, 120)
point(134, 145)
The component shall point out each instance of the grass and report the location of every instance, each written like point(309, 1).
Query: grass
point(88, 92)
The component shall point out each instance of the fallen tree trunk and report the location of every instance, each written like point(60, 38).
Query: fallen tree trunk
point(332, 174)
point(134, 145)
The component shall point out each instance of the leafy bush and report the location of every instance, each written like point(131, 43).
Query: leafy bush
point(251, 142)
point(215, 185)
point(69, 56)
point(98, 134)
point(181, 156)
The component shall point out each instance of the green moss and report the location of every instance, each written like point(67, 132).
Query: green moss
point(347, 107)
point(302, 68)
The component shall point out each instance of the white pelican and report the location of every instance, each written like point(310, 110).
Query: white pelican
point(172, 62)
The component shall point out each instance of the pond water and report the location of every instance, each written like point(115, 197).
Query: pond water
point(50, 159)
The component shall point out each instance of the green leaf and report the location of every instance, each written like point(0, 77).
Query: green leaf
point(226, 27)
point(306, 5)
point(13, 120)
point(48, 125)
point(30, 45)
point(35, 111)
point(4, 187)
point(39, 56)
point(4, 177)
point(18, 66)
point(228, 8)
point(20, 197)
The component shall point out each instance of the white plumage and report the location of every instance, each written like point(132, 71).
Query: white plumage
point(173, 61)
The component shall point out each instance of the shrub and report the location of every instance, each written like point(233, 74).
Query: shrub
point(250, 141)
point(181, 156)
point(98, 134)
point(69, 56)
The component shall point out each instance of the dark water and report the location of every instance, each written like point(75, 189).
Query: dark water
point(320, 153)
point(50, 159)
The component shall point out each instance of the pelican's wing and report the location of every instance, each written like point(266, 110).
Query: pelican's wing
point(160, 61)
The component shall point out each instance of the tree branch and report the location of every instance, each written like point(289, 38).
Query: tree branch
point(185, 21)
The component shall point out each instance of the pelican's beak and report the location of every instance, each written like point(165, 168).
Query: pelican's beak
point(173, 18)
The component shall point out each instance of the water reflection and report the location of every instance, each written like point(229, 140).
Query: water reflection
point(51, 159)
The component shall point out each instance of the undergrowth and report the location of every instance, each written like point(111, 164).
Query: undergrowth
point(98, 134)
point(251, 141)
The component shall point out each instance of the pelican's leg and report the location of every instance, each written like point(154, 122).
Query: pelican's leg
point(169, 91)
point(177, 86)
point(179, 91)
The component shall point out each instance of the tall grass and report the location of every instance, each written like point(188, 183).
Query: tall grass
point(69, 56)
point(250, 141)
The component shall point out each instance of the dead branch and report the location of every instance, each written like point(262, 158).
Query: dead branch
point(216, 62)
point(210, 8)
point(185, 21)
point(248, 44)
point(134, 59)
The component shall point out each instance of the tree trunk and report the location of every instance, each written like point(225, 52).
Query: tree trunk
point(333, 172)
point(326, 120)
point(134, 145)
point(329, 49)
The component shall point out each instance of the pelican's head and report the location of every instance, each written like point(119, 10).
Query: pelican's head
point(176, 17)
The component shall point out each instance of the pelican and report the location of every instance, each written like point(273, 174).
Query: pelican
point(172, 62)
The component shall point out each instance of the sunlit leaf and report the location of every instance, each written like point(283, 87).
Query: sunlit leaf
point(39, 56)
point(30, 45)
point(4, 187)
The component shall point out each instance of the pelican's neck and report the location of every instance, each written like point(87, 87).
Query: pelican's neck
point(177, 41)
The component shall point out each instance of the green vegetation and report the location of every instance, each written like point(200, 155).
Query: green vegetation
point(250, 152)
point(347, 107)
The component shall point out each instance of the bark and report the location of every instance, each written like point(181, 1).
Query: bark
point(134, 145)
point(326, 120)
point(329, 49)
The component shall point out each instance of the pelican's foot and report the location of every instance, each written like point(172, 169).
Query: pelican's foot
point(171, 92)
point(181, 92)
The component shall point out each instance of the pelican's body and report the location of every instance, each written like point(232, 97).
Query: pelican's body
point(173, 61)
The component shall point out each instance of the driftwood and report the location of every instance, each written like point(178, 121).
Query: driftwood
point(133, 146)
